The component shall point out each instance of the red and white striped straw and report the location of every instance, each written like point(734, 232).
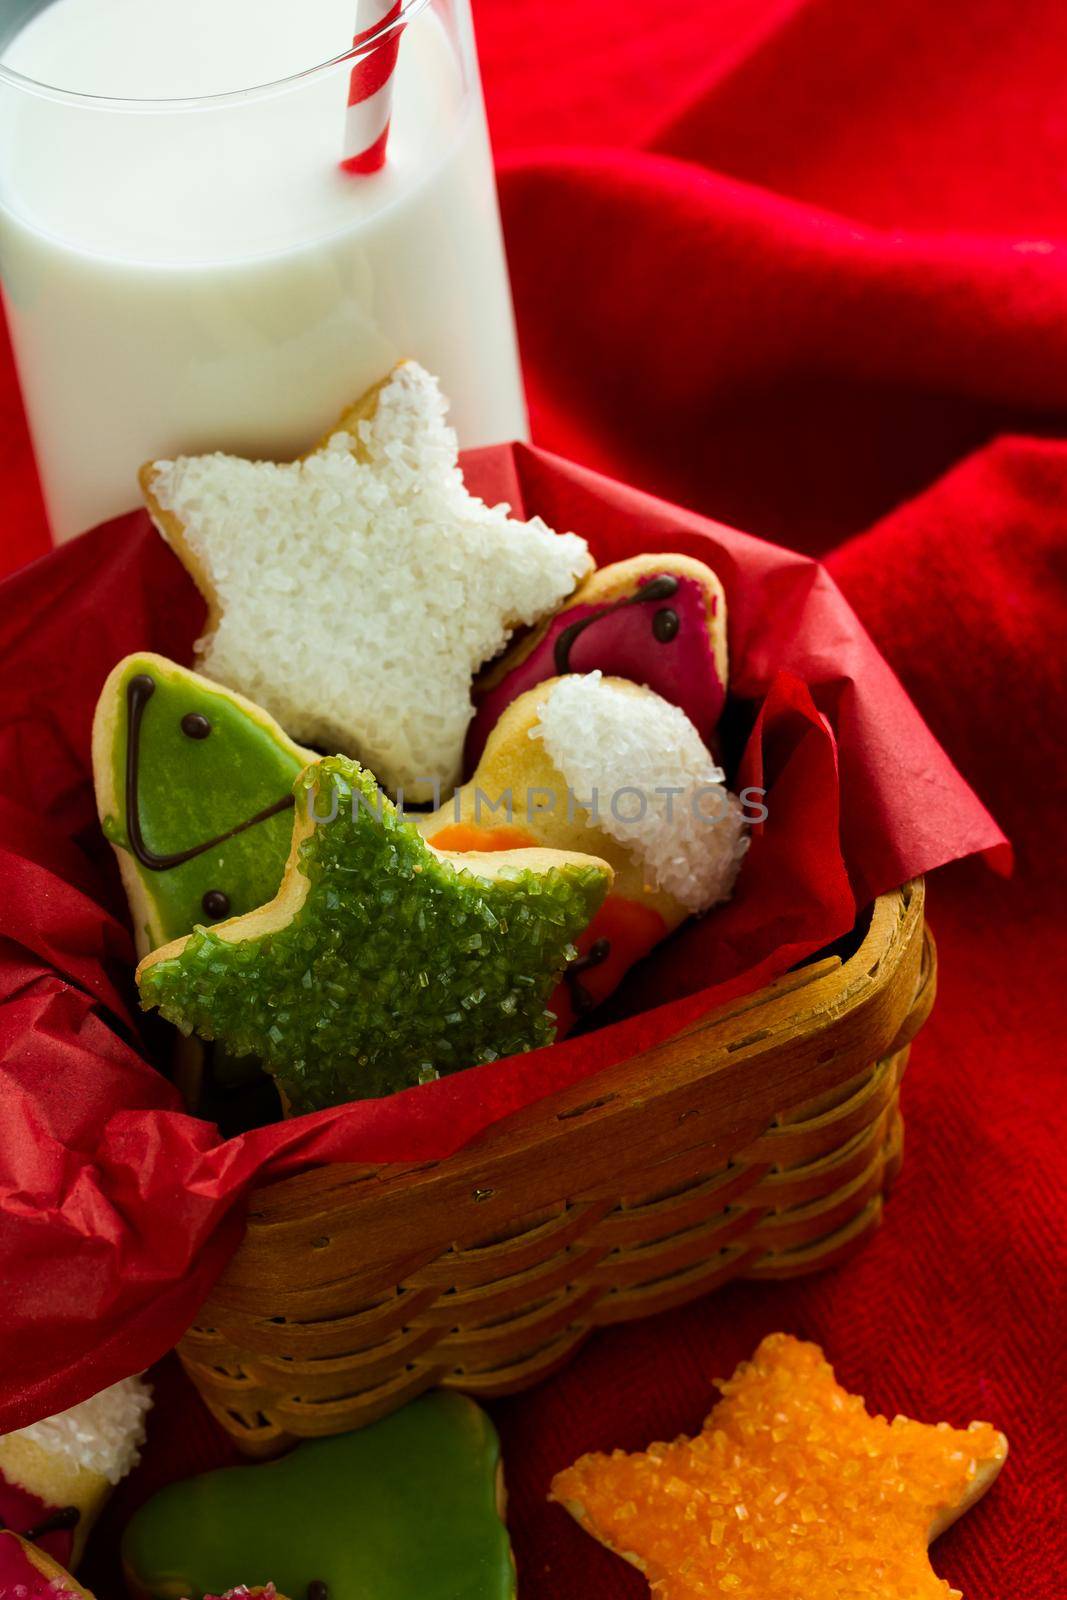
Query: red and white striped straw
point(370, 90)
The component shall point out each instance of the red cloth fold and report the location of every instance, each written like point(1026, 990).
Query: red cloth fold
point(793, 262)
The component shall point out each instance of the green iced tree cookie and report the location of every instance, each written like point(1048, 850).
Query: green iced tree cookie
point(382, 962)
point(194, 790)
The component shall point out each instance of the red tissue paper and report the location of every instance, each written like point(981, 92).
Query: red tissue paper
point(117, 1209)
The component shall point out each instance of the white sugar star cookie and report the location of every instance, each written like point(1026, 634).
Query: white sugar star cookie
point(354, 594)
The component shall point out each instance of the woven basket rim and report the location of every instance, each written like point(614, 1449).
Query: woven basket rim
point(828, 985)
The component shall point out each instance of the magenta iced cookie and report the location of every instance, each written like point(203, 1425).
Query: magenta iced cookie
point(27, 1573)
point(658, 620)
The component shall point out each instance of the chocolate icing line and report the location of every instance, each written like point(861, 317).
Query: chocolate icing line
point(55, 1522)
point(139, 691)
point(661, 588)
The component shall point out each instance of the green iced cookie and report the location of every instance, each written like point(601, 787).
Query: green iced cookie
point(382, 962)
point(407, 1509)
point(194, 790)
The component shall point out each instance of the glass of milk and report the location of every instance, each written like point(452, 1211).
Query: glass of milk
point(186, 265)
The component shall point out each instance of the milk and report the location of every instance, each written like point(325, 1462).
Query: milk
point(187, 279)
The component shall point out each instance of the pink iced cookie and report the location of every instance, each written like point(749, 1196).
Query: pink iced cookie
point(52, 1527)
point(27, 1573)
point(658, 620)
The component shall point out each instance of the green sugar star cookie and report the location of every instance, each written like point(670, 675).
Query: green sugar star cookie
point(407, 1509)
point(194, 790)
point(381, 962)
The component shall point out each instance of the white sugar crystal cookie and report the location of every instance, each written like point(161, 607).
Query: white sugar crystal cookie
point(69, 1463)
point(659, 793)
point(607, 768)
point(354, 594)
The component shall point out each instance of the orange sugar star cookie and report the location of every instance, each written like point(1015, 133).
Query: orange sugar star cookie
point(792, 1491)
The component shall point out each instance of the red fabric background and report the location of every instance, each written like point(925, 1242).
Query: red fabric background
point(823, 266)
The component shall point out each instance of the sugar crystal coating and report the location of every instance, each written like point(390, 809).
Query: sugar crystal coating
point(396, 967)
point(658, 791)
point(791, 1492)
point(243, 1592)
point(361, 588)
point(103, 1434)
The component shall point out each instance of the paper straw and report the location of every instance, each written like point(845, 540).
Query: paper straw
point(370, 90)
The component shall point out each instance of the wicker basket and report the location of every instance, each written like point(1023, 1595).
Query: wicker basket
point(758, 1143)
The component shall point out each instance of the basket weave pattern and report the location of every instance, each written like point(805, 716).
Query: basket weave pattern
point(758, 1143)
